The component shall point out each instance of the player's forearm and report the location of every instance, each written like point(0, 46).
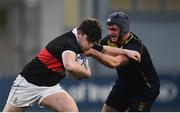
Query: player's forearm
point(77, 69)
point(118, 51)
point(114, 51)
point(107, 60)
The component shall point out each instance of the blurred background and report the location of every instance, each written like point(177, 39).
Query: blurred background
point(26, 26)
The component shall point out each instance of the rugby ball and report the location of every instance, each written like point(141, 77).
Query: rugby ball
point(83, 61)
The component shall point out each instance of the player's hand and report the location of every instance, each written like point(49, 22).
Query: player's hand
point(97, 47)
point(133, 55)
point(88, 52)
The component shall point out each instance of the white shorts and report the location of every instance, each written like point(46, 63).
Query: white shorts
point(23, 93)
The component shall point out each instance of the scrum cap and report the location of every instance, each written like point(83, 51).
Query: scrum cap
point(120, 19)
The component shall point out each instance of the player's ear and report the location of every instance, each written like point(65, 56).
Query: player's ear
point(91, 44)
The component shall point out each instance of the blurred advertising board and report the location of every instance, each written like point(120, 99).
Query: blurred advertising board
point(90, 94)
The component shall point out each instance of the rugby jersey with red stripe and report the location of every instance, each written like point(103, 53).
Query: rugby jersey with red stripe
point(47, 69)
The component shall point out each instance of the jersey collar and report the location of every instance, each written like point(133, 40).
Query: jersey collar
point(74, 31)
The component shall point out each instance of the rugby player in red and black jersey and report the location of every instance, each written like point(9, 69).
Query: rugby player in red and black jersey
point(39, 80)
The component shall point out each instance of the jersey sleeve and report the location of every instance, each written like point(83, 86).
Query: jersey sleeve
point(134, 45)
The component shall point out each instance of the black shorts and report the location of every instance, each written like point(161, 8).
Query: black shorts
point(122, 98)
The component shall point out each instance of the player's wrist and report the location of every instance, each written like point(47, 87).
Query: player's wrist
point(98, 47)
point(123, 51)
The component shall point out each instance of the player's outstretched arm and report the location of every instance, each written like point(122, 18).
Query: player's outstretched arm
point(108, 60)
point(118, 51)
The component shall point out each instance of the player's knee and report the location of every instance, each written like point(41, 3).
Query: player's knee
point(72, 110)
point(67, 109)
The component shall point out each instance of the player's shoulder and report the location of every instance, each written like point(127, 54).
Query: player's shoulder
point(135, 37)
point(133, 43)
point(104, 40)
point(133, 40)
point(66, 38)
point(66, 41)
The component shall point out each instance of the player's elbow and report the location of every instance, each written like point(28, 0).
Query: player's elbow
point(88, 74)
point(114, 64)
point(85, 75)
point(117, 63)
point(120, 60)
point(111, 64)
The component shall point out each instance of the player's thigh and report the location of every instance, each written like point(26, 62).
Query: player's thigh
point(118, 99)
point(11, 108)
point(115, 103)
point(60, 101)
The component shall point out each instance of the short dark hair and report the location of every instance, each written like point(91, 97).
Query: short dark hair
point(92, 28)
